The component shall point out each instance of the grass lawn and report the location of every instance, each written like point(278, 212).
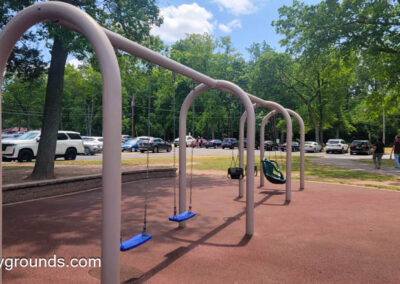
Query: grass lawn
point(313, 171)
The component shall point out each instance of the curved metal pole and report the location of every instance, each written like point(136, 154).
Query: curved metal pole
point(289, 135)
point(241, 148)
point(262, 150)
point(55, 11)
point(302, 138)
point(222, 85)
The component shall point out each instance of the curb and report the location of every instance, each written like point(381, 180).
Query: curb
point(47, 188)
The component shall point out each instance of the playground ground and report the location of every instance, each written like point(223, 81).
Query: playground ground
point(328, 234)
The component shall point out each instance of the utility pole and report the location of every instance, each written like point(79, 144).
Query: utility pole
point(133, 116)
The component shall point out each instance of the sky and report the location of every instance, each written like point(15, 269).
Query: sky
point(245, 21)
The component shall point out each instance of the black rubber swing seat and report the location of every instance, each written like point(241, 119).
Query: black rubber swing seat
point(235, 173)
point(134, 242)
point(182, 216)
point(270, 167)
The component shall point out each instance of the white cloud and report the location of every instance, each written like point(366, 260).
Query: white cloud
point(182, 20)
point(237, 7)
point(75, 62)
point(230, 26)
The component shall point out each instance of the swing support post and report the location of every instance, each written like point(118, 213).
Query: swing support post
point(72, 16)
point(235, 90)
point(302, 142)
point(281, 109)
point(241, 150)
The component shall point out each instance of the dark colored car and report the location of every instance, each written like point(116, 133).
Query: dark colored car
point(256, 143)
point(295, 146)
point(132, 144)
point(155, 145)
point(214, 143)
point(360, 147)
point(271, 146)
point(229, 143)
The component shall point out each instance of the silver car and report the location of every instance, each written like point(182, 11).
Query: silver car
point(312, 146)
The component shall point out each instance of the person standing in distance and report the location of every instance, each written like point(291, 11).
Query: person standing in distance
point(396, 151)
point(379, 149)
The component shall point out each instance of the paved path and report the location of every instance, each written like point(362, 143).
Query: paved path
point(328, 234)
point(352, 164)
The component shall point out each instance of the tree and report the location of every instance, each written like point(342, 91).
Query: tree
point(120, 14)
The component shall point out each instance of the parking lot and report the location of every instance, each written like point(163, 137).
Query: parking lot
point(227, 152)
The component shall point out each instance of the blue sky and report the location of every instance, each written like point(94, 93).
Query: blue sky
point(245, 21)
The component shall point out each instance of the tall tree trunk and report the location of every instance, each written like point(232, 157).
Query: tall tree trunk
point(314, 122)
point(44, 166)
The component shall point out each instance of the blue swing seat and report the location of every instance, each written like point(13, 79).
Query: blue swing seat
point(182, 216)
point(134, 241)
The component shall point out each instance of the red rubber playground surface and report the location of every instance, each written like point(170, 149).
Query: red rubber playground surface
point(328, 234)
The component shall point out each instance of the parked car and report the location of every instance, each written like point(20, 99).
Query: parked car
point(312, 146)
point(189, 141)
point(229, 143)
point(132, 145)
point(295, 146)
point(10, 135)
point(336, 145)
point(154, 144)
point(24, 148)
point(203, 143)
point(256, 143)
point(124, 138)
point(92, 145)
point(270, 145)
point(360, 147)
point(214, 143)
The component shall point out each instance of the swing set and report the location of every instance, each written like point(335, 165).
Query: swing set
point(104, 43)
point(143, 237)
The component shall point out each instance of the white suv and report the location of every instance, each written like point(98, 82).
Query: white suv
point(25, 147)
point(189, 141)
point(336, 145)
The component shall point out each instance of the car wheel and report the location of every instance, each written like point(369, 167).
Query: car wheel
point(231, 147)
point(351, 153)
point(25, 155)
point(141, 151)
point(169, 149)
point(215, 147)
point(70, 154)
point(223, 147)
point(315, 150)
point(6, 159)
point(87, 151)
point(135, 150)
point(130, 150)
point(343, 151)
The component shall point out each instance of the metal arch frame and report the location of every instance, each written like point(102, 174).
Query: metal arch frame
point(111, 210)
point(70, 17)
point(289, 134)
point(302, 141)
point(241, 147)
point(237, 91)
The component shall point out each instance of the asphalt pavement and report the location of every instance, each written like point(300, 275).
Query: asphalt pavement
point(227, 152)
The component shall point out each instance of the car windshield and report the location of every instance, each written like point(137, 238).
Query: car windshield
point(28, 135)
point(358, 142)
point(226, 139)
point(87, 139)
point(333, 142)
point(131, 141)
point(309, 142)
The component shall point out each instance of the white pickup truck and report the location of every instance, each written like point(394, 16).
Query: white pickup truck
point(24, 148)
